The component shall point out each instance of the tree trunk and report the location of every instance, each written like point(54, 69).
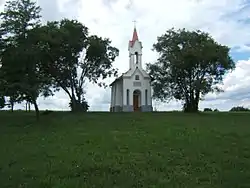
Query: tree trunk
point(73, 104)
point(191, 106)
point(12, 106)
point(76, 105)
point(37, 110)
point(79, 106)
point(197, 99)
point(192, 101)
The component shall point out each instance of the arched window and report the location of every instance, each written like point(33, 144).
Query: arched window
point(127, 96)
point(146, 97)
point(136, 58)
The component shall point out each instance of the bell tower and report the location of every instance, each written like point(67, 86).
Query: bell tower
point(135, 51)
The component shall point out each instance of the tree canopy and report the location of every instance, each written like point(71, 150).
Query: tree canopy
point(20, 67)
point(71, 57)
point(239, 109)
point(190, 65)
point(39, 59)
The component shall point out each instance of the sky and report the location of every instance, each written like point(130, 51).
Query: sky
point(227, 21)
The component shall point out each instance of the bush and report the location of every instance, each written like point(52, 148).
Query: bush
point(216, 110)
point(239, 109)
point(80, 107)
point(208, 110)
point(47, 112)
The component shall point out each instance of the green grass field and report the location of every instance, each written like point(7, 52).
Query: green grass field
point(109, 150)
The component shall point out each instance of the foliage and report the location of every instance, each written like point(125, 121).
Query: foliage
point(2, 96)
point(191, 64)
point(83, 105)
point(208, 110)
point(2, 102)
point(61, 54)
point(18, 17)
point(70, 56)
point(21, 69)
point(47, 112)
point(239, 109)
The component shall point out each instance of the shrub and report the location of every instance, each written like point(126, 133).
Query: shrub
point(47, 112)
point(239, 109)
point(208, 110)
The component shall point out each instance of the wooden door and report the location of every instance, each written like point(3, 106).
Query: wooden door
point(136, 102)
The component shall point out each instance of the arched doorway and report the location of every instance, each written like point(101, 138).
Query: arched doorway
point(137, 100)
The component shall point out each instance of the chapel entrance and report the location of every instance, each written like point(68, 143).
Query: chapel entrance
point(136, 100)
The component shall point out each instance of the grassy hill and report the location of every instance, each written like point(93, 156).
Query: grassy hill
point(107, 150)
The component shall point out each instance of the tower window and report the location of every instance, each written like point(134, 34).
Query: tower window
point(136, 57)
point(137, 77)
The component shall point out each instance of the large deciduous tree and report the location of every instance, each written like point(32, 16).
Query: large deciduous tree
point(71, 57)
point(190, 65)
point(21, 67)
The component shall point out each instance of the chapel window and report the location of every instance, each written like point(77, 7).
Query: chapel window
point(127, 96)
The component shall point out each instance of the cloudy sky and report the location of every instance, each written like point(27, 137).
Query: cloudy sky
point(226, 20)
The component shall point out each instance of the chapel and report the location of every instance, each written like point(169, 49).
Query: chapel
point(132, 90)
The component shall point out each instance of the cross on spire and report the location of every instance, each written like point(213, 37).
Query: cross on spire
point(135, 36)
point(134, 23)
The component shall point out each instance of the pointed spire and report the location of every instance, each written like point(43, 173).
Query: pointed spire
point(135, 37)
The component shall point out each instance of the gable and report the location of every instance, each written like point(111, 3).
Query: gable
point(137, 72)
point(132, 72)
point(116, 80)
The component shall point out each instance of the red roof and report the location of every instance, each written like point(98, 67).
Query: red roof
point(135, 37)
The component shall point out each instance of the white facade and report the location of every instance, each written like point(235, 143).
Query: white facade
point(132, 90)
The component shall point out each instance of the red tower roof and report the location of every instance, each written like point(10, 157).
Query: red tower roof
point(135, 37)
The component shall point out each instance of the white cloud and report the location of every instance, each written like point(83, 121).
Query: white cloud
point(243, 48)
point(225, 20)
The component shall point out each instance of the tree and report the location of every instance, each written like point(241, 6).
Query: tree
point(2, 80)
point(84, 105)
point(2, 102)
point(190, 65)
point(6, 90)
point(239, 109)
point(207, 110)
point(21, 67)
point(70, 57)
point(18, 17)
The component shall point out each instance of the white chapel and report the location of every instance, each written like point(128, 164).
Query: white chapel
point(132, 90)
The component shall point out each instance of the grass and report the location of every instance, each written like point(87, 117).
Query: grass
point(107, 150)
